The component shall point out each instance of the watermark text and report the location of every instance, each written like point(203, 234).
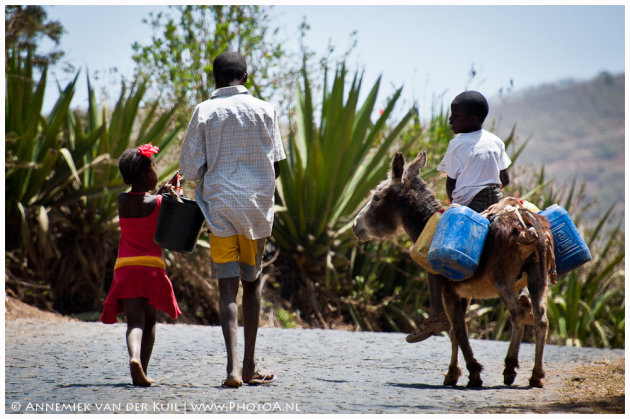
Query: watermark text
point(156, 407)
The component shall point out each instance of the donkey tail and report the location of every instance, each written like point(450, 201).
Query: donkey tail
point(544, 247)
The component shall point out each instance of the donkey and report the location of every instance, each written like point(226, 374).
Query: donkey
point(518, 251)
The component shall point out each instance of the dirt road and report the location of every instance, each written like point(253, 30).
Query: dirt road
point(71, 366)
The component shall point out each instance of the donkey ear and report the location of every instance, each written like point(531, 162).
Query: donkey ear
point(398, 167)
point(413, 169)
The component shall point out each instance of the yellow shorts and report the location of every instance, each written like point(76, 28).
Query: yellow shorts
point(236, 256)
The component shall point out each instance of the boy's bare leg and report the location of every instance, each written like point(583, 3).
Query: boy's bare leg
point(437, 321)
point(435, 295)
point(134, 311)
point(251, 314)
point(228, 311)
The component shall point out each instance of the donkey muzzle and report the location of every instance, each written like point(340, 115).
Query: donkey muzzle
point(360, 233)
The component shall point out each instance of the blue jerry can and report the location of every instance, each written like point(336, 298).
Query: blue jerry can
point(570, 249)
point(458, 242)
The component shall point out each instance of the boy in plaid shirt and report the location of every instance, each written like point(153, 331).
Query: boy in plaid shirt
point(232, 147)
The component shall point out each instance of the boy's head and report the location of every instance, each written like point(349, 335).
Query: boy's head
point(468, 111)
point(136, 167)
point(229, 68)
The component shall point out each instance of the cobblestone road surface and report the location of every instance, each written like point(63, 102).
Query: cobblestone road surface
point(64, 367)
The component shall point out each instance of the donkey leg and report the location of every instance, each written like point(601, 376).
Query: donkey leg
point(538, 292)
point(455, 311)
point(454, 370)
point(517, 319)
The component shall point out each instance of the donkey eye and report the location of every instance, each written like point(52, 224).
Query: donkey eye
point(376, 198)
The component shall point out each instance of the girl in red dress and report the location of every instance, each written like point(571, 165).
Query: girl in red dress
point(140, 284)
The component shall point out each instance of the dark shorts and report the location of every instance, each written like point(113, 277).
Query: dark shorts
point(486, 197)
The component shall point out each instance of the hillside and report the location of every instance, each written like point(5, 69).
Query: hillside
point(575, 127)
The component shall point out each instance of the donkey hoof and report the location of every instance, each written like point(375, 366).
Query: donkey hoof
point(451, 377)
point(535, 382)
point(508, 379)
point(474, 383)
point(450, 381)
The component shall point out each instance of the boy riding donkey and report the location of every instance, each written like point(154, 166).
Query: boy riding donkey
point(476, 165)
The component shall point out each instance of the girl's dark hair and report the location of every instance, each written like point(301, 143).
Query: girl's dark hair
point(132, 164)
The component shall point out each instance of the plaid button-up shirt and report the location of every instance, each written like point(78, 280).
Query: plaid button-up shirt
point(230, 147)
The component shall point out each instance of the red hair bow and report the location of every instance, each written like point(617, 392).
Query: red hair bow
point(148, 149)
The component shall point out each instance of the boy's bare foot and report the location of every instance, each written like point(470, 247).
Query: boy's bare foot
point(137, 374)
point(233, 381)
point(432, 326)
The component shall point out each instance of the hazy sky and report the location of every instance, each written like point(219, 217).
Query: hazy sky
point(429, 49)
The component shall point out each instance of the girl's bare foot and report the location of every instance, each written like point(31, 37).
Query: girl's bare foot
point(137, 374)
point(233, 381)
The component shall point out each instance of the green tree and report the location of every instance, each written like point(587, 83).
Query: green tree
point(179, 59)
point(25, 26)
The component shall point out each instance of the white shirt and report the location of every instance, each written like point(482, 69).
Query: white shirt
point(232, 142)
point(474, 159)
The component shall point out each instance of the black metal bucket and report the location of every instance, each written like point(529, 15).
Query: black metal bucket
point(179, 224)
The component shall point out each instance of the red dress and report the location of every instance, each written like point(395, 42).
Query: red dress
point(139, 269)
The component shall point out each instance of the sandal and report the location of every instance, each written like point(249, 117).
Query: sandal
point(258, 379)
point(430, 327)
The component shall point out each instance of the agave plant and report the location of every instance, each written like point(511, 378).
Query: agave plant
point(334, 158)
point(382, 288)
point(587, 307)
point(38, 166)
point(95, 213)
point(61, 181)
